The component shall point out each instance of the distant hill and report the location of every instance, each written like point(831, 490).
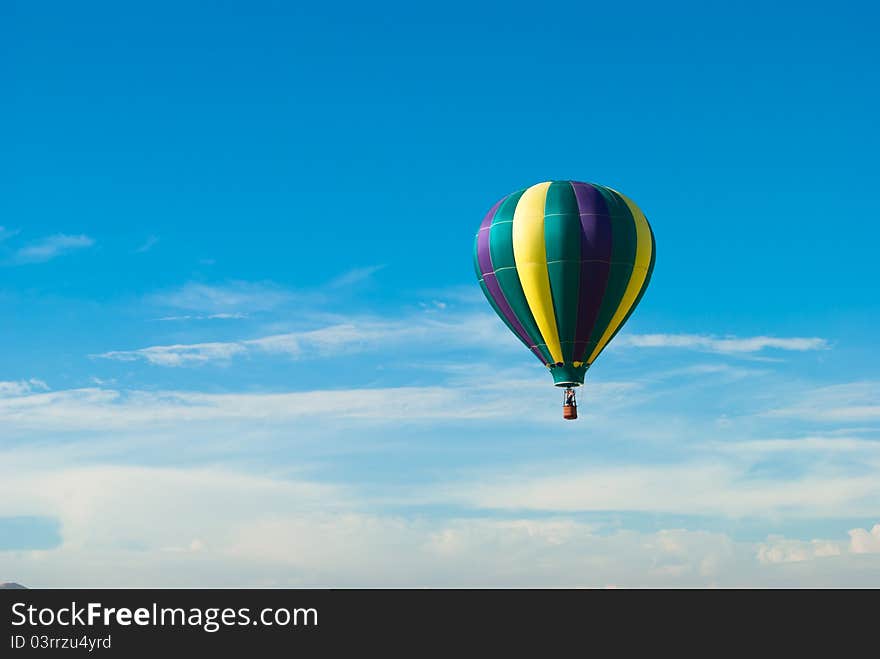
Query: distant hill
point(10, 585)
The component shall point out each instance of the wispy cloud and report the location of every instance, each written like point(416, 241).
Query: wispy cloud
point(526, 523)
point(232, 297)
point(709, 487)
point(111, 410)
point(100, 409)
point(711, 481)
point(360, 335)
point(212, 316)
point(810, 444)
point(434, 325)
point(179, 355)
point(147, 245)
point(850, 402)
point(51, 247)
point(249, 296)
point(724, 345)
point(354, 276)
point(21, 387)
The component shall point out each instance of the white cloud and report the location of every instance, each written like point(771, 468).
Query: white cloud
point(354, 276)
point(21, 387)
point(862, 541)
point(154, 525)
point(96, 409)
point(232, 297)
point(136, 526)
point(715, 478)
point(724, 345)
point(778, 549)
point(212, 316)
point(854, 401)
point(816, 444)
point(720, 371)
point(178, 355)
point(435, 325)
point(359, 335)
point(699, 488)
point(50, 247)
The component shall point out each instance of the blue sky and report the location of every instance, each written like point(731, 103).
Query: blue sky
point(242, 341)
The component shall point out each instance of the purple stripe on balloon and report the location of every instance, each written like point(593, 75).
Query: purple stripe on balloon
point(595, 261)
point(484, 258)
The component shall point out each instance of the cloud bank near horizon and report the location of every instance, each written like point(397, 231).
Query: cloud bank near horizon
point(481, 479)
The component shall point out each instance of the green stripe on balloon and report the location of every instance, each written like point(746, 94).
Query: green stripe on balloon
point(643, 289)
point(623, 254)
point(562, 238)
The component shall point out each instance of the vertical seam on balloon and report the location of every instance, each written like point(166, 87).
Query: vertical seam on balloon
point(644, 249)
point(530, 256)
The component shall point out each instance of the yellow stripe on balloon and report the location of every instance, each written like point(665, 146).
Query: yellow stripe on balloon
point(530, 256)
point(644, 248)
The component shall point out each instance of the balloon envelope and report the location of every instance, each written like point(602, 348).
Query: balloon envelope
point(564, 264)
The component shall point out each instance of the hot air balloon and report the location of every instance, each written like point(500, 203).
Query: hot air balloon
point(564, 264)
